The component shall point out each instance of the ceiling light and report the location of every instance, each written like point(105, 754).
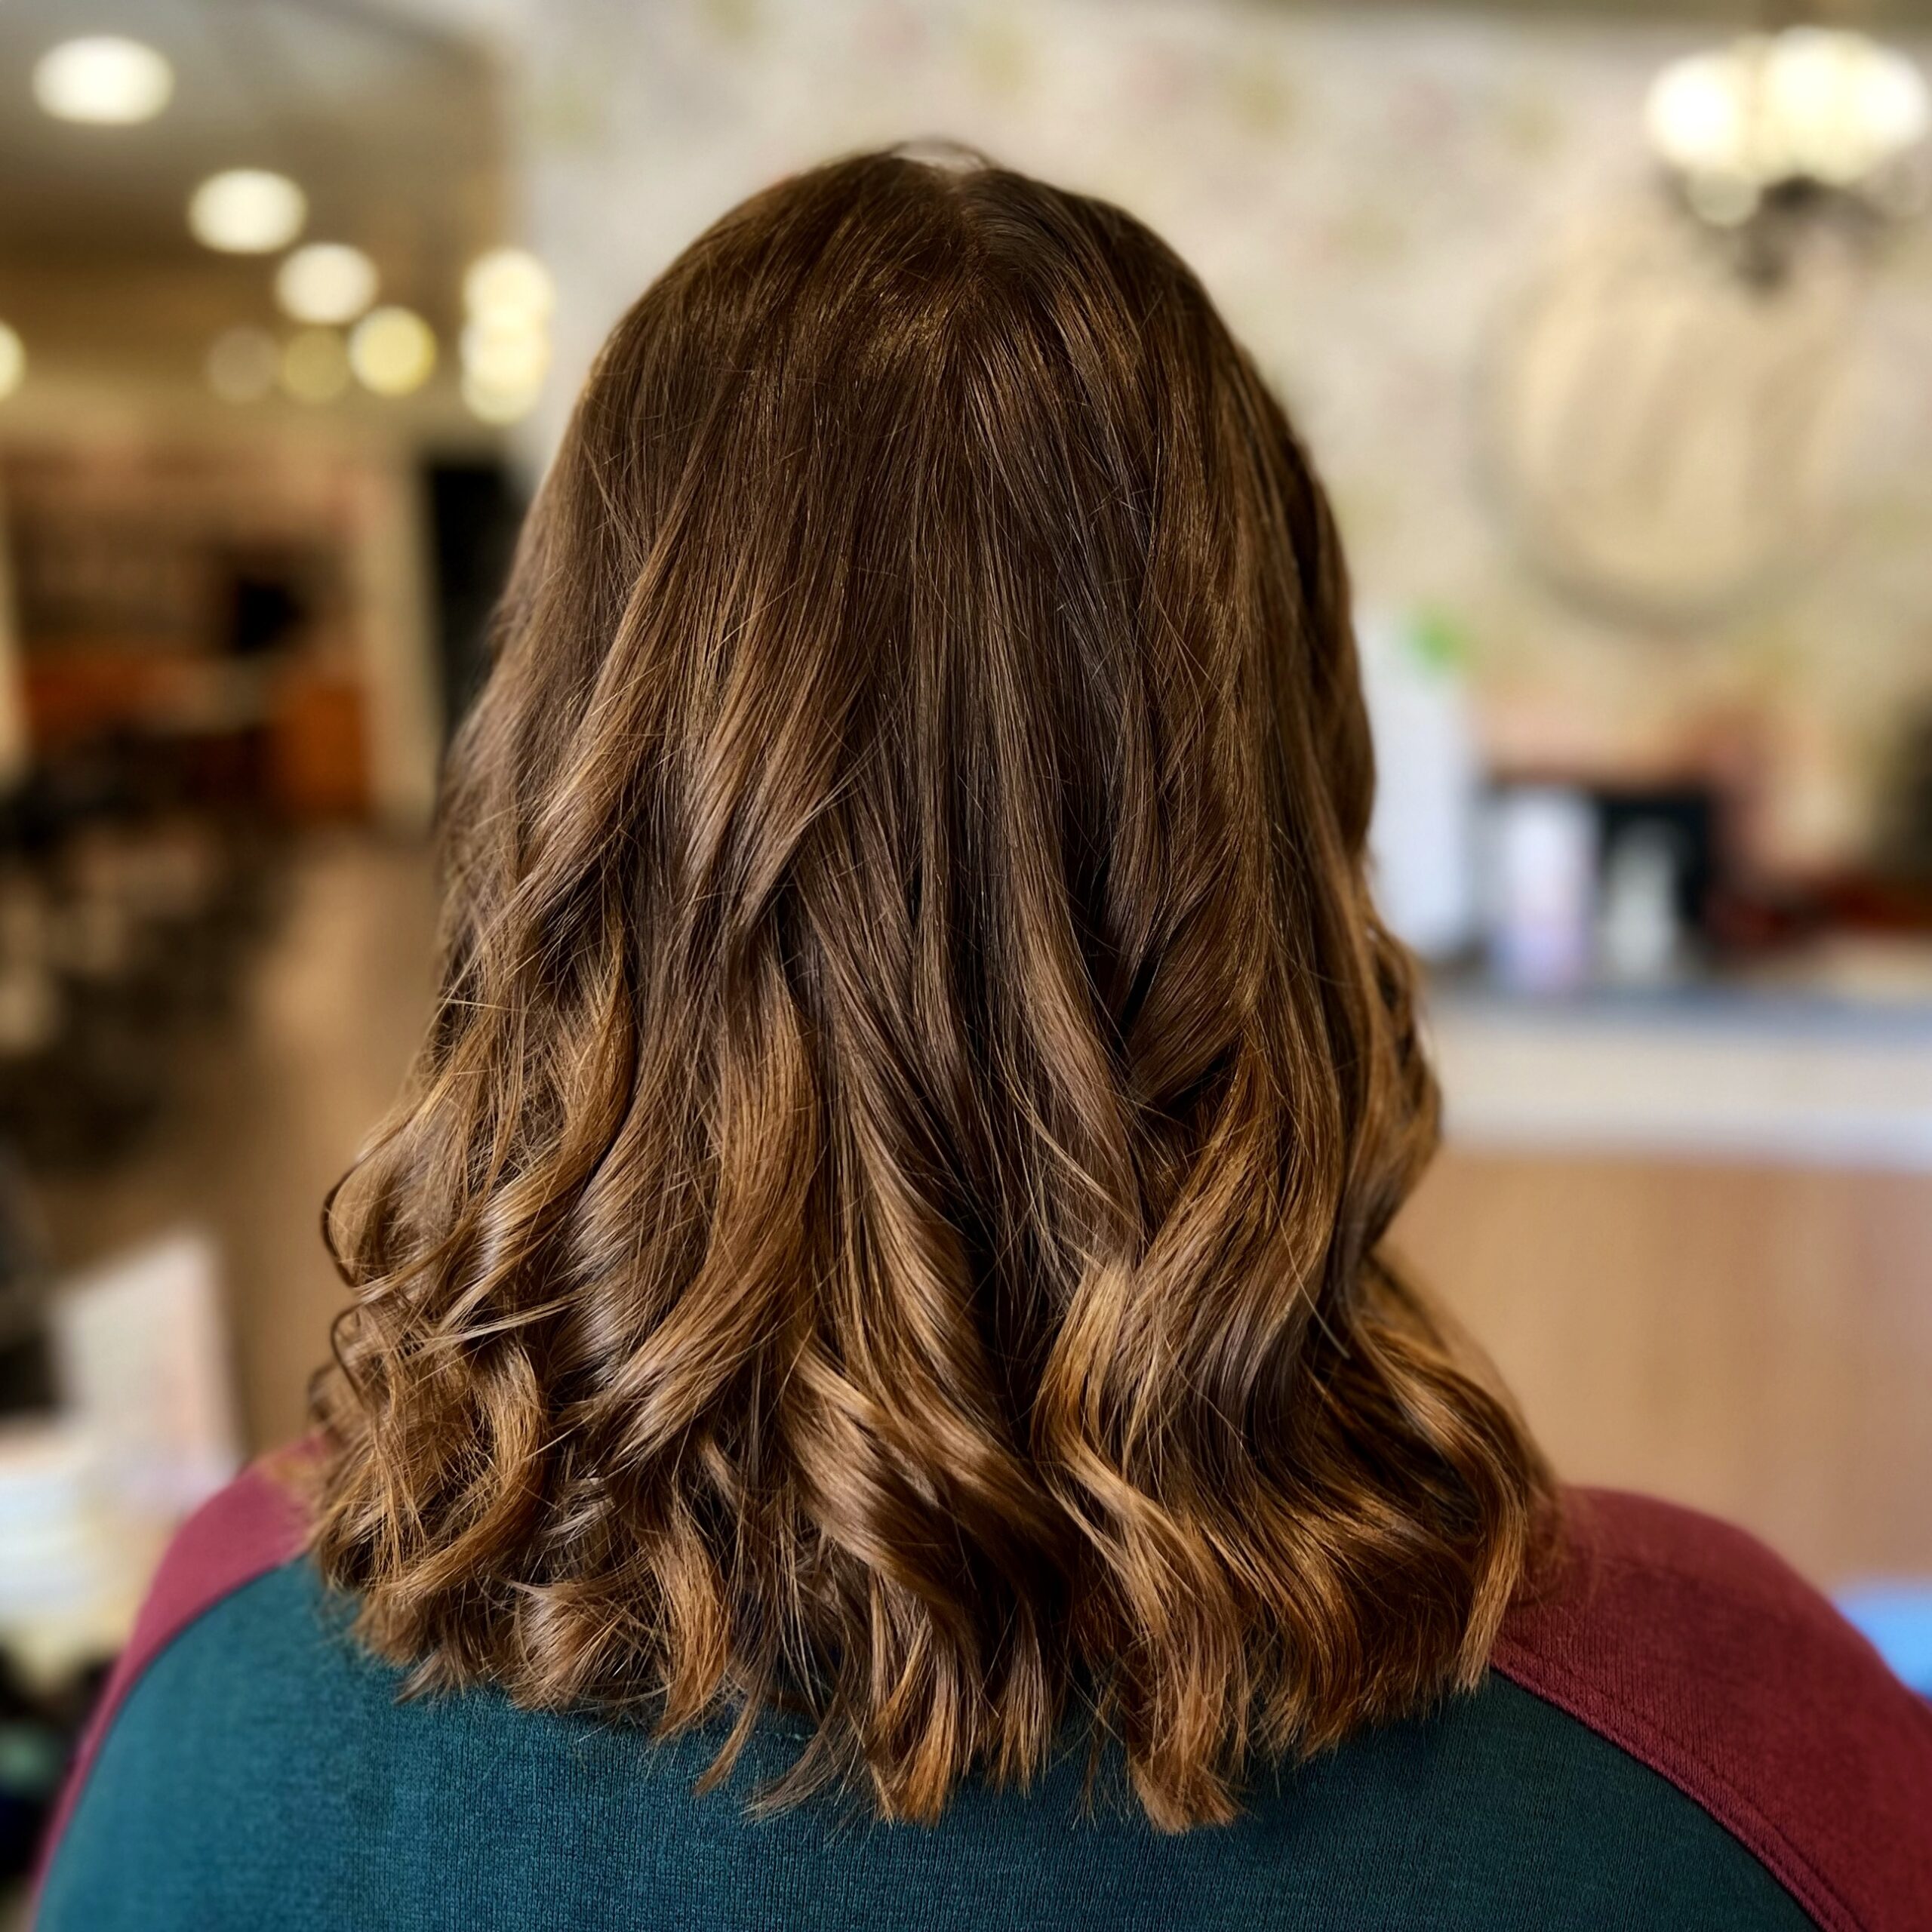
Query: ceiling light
point(496, 405)
point(13, 361)
point(509, 282)
point(247, 212)
point(242, 364)
point(1839, 105)
point(314, 366)
point(102, 79)
point(1696, 114)
point(326, 281)
point(392, 350)
point(1809, 104)
point(505, 356)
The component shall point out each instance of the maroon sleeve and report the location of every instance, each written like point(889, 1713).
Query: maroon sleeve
point(1690, 1646)
point(253, 1526)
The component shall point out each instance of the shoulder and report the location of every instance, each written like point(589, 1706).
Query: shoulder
point(258, 1523)
point(1686, 1643)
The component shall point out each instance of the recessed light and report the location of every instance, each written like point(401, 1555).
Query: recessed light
point(509, 282)
point(495, 405)
point(243, 364)
point(102, 79)
point(326, 281)
point(246, 211)
point(506, 355)
point(392, 350)
point(314, 366)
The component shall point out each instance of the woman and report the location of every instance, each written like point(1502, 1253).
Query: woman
point(872, 1307)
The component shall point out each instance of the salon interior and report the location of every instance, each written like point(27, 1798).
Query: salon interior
point(1610, 325)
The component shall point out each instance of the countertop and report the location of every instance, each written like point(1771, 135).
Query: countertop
point(1824, 1061)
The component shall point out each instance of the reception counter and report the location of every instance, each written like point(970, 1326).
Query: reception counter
point(1748, 1073)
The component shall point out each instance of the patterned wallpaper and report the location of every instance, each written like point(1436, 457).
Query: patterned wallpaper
point(1368, 193)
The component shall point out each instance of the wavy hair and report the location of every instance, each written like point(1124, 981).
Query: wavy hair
point(885, 1221)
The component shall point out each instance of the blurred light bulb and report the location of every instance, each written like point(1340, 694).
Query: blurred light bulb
point(1697, 112)
point(509, 282)
point(13, 361)
point(1836, 106)
point(102, 79)
point(498, 405)
point(326, 281)
point(314, 366)
point(246, 211)
point(392, 350)
point(242, 364)
point(506, 355)
point(1896, 103)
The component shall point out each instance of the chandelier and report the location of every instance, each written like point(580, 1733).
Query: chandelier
point(1806, 118)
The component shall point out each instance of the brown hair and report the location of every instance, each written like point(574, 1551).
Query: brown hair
point(886, 1219)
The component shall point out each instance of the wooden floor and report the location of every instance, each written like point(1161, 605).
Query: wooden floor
point(1756, 1341)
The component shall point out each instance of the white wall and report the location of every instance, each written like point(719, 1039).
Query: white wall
point(1364, 191)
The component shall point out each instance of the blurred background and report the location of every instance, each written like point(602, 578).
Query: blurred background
point(1610, 325)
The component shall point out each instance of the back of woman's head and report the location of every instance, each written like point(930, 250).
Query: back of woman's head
point(885, 1221)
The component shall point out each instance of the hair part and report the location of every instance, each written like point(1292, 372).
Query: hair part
point(887, 1219)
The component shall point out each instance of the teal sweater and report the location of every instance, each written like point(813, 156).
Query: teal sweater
point(259, 1771)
